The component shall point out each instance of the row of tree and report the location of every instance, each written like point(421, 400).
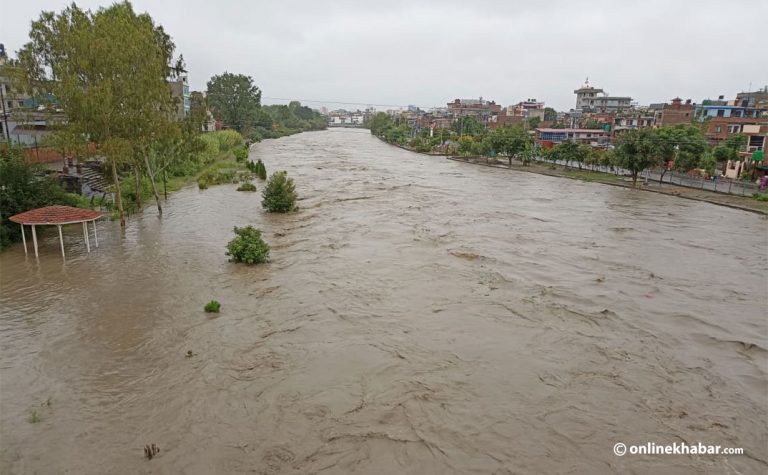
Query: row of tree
point(235, 100)
point(679, 147)
point(108, 71)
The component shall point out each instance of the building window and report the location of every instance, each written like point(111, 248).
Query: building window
point(717, 129)
point(720, 113)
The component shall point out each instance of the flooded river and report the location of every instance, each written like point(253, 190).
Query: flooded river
point(418, 316)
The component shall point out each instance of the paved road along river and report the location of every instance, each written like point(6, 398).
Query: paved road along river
point(418, 316)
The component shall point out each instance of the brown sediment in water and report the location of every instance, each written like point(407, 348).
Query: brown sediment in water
point(417, 316)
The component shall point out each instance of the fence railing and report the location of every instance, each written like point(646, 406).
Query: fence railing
point(718, 184)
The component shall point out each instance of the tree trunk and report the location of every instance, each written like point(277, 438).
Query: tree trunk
point(663, 172)
point(634, 179)
point(154, 186)
point(118, 196)
point(137, 179)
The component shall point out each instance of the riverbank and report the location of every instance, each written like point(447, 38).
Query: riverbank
point(722, 199)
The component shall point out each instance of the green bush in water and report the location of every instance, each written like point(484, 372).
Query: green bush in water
point(246, 187)
point(279, 196)
point(261, 170)
point(212, 307)
point(248, 247)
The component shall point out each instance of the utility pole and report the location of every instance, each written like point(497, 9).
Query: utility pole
point(5, 114)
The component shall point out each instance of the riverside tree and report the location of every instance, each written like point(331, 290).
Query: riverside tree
point(685, 145)
point(235, 100)
point(636, 150)
point(107, 70)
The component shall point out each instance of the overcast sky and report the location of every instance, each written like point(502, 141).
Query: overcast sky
point(428, 53)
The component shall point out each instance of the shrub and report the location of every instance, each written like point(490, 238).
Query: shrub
point(261, 170)
point(246, 187)
point(248, 247)
point(241, 154)
point(760, 196)
point(212, 307)
point(279, 196)
point(228, 139)
point(202, 183)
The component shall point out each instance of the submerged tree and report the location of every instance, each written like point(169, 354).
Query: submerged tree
point(248, 247)
point(107, 70)
point(279, 196)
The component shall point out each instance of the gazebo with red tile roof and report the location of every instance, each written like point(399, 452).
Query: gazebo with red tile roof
point(57, 216)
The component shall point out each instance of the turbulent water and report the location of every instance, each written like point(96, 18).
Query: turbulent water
point(418, 316)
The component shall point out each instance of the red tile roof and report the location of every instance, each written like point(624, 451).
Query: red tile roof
point(56, 215)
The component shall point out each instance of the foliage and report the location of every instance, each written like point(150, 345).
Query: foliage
point(683, 144)
point(24, 186)
point(235, 100)
point(261, 170)
point(571, 152)
point(228, 139)
point(708, 163)
point(636, 150)
point(760, 196)
point(294, 118)
point(279, 196)
point(468, 125)
point(212, 307)
point(91, 62)
point(508, 140)
point(380, 123)
point(241, 154)
point(258, 169)
point(550, 114)
point(246, 187)
point(248, 247)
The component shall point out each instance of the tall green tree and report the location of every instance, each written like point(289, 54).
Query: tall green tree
point(685, 145)
point(636, 150)
point(235, 100)
point(108, 71)
point(550, 114)
point(510, 141)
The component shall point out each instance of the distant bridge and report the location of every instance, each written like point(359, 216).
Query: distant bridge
point(347, 126)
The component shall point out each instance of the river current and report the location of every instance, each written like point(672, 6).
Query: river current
point(418, 316)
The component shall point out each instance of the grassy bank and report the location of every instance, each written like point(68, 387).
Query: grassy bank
point(744, 203)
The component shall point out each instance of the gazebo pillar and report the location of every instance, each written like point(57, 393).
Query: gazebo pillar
point(95, 236)
point(24, 239)
point(61, 238)
point(34, 239)
point(85, 234)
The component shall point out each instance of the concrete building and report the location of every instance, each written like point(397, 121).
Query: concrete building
point(757, 99)
point(675, 113)
point(592, 99)
point(547, 137)
point(180, 91)
point(720, 128)
point(480, 109)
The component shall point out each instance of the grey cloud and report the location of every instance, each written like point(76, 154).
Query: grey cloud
point(427, 53)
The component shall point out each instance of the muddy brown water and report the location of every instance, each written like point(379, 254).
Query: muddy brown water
point(418, 316)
